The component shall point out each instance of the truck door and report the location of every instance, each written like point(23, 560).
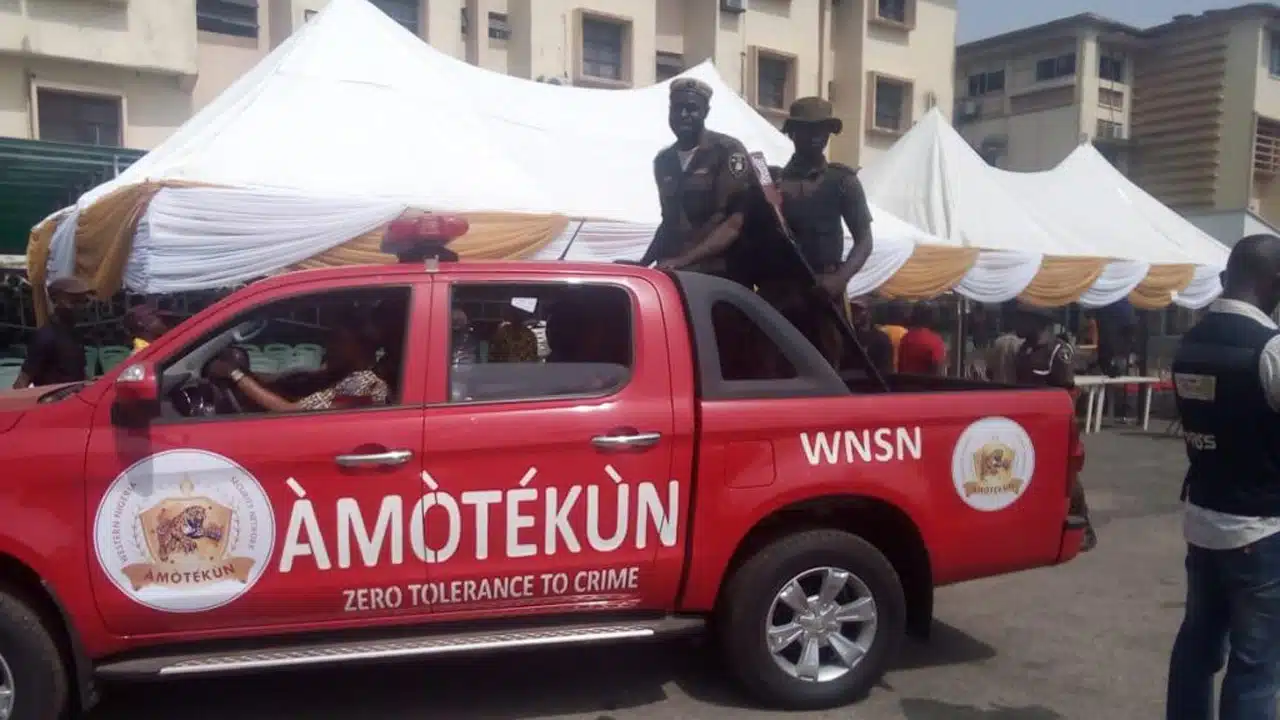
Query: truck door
point(552, 477)
point(219, 514)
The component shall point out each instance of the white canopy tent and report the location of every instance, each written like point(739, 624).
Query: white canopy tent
point(353, 119)
point(1082, 209)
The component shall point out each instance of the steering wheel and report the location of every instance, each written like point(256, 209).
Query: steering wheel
point(207, 397)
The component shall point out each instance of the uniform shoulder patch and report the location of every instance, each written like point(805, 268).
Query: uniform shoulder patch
point(737, 164)
point(1064, 351)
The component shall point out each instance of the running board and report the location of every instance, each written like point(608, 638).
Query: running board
point(399, 648)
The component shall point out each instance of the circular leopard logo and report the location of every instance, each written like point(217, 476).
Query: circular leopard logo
point(993, 463)
point(184, 531)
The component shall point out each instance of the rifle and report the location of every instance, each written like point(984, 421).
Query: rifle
point(760, 169)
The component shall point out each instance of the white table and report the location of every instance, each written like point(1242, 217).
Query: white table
point(1095, 386)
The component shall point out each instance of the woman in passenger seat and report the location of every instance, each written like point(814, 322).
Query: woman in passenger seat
point(351, 355)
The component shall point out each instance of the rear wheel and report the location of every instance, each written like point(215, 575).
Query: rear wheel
point(33, 679)
point(813, 620)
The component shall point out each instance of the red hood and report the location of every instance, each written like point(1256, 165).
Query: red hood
point(14, 402)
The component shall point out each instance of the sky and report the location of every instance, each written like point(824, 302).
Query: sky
point(984, 18)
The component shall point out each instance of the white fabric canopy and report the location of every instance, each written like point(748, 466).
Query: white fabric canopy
point(211, 237)
point(353, 106)
point(1084, 207)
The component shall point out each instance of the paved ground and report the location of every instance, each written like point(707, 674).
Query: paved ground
point(1088, 640)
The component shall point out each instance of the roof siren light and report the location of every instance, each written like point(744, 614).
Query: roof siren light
point(420, 237)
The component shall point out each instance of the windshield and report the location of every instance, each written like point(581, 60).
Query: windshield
point(62, 393)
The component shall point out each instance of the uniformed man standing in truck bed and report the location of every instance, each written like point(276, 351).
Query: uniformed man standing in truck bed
point(702, 186)
point(818, 199)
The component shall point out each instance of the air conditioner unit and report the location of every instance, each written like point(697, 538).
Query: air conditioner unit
point(969, 109)
point(733, 6)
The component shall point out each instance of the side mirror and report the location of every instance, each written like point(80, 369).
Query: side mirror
point(137, 395)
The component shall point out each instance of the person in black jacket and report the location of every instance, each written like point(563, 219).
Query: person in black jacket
point(1226, 375)
point(1046, 358)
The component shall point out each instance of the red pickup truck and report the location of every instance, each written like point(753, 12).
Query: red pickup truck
point(677, 456)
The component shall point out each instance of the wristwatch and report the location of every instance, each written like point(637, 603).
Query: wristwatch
point(236, 375)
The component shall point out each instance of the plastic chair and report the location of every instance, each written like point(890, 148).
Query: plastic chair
point(91, 362)
point(280, 352)
point(303, 361)
point(309, 348)
point(10, 368)
point(111, 356)
point(263, 364)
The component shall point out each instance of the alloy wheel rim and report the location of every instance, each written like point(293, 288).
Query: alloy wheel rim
point(7, 693)
point(821, 624)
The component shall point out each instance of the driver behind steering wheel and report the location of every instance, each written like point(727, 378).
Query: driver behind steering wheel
point(351, 354)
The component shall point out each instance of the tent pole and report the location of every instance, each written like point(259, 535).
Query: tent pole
point(572, 237)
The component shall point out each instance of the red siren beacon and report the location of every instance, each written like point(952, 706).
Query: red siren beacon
point(419, 237)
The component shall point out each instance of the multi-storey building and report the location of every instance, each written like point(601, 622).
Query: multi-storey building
point(1190, 108)
point(1027, 98)
point(127, 73)
point(1207, 117)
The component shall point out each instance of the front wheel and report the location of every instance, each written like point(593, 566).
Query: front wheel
point(33, 679)
point(812, 620)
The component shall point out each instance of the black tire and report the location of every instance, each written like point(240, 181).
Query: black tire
point(750, 593)
point(39, 675)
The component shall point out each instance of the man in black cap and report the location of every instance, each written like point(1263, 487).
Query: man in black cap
point(56, 352)
point(1044, 358)
point(818, 199)
point(703, 181)
point(1226, 376)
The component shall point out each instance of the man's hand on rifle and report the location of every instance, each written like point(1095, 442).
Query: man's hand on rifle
point(834, 284)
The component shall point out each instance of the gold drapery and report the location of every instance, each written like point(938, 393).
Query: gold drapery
point(1162, 281)
point(38, 243)
point(931, 271)
point(1062, 280)
point(493, 236)
point(105, 230)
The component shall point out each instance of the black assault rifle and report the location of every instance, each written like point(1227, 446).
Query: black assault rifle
point(760, 169)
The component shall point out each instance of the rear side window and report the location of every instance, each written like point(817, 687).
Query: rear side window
point(746, 350)
point(536, 341)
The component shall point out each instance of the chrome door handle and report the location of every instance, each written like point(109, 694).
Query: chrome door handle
point(390, 457)
point(637, 441)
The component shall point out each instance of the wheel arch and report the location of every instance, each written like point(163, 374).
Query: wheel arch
point(886, 526)
point(21, 579)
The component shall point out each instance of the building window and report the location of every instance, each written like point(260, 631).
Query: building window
point(1108, 130)
point(404, 12)
point(892, 10)
point(986, 83)
point(1111, 68)
point(499, 28)
point(669, 65)
point(466, 21)
point(892, 106)
point(773, 75)
point(602, 45)
point(79, 118)
point(1056, 67)
point(1109, 98)
point(228, 17)
point(1274, 64)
